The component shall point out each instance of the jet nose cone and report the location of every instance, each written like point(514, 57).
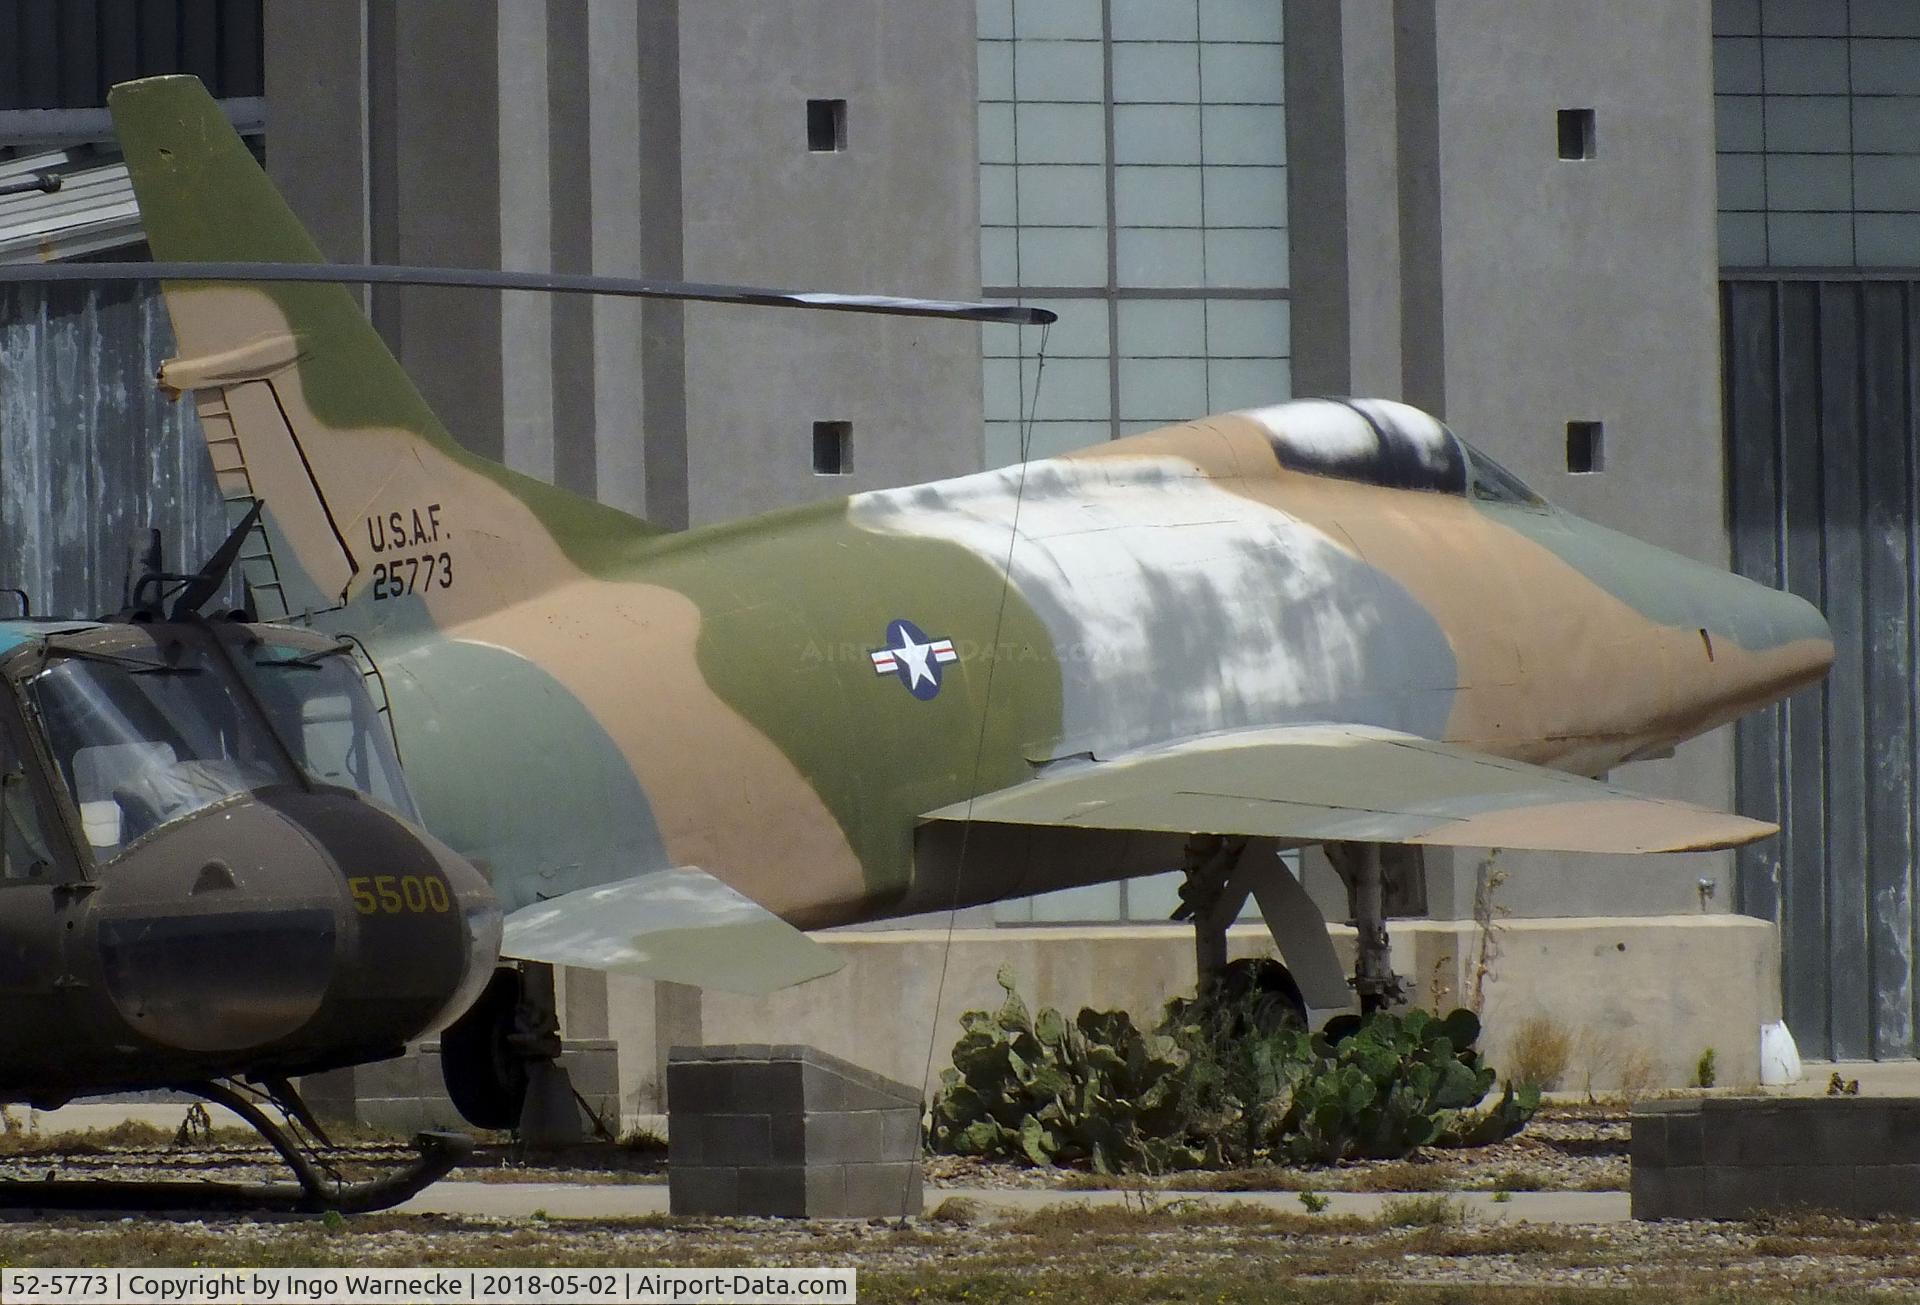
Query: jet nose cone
point(1804, 637)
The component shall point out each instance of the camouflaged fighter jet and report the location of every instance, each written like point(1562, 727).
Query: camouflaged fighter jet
point(1324, 621)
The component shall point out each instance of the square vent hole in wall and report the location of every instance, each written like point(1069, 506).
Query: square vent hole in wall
point(826, 126)
point(832, 448)
point(1576, 133)
point(1586, 447)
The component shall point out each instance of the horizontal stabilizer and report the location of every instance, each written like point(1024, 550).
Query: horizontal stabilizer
point(1322, 783)
point(680, 925)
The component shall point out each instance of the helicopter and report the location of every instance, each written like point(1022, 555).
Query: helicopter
point(213, 879)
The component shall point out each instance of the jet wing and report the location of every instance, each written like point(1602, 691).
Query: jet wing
point(681, 925)
point(1319, 783)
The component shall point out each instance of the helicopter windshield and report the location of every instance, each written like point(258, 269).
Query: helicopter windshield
point(141, 741)
point(318, 703)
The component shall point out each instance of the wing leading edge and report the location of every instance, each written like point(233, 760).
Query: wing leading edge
point(1319, 783)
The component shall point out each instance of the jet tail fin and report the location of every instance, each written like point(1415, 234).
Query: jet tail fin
point(367, 497)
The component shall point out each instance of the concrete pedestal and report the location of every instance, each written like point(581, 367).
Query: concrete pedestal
point(789, 1131)
point(407, 1094)
point(1733, 1157)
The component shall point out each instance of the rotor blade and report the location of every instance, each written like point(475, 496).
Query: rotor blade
point(214, 574)
point(549, 282)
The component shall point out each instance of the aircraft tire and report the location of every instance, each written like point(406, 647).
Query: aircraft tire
point(485, 1079)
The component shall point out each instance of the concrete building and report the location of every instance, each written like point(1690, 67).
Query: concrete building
point(1502, 211)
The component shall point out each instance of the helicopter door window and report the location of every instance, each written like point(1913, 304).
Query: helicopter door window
point(319, 704)
point(24, 855)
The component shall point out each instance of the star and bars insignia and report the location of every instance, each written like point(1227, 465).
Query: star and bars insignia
point(914, 658)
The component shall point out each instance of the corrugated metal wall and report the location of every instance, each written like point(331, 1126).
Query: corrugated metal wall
point(1821, 378)
point(64, 54)
point(90, 452)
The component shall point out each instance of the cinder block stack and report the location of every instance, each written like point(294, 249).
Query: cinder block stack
point(1731, 1157)
point(788, 1131)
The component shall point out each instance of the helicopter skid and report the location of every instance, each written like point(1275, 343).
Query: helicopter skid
point(315, 1191)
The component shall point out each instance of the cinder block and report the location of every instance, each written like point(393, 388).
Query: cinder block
point(1719, 1138)
point(900, 1138)
point(1741, 1192)
point(787, 1139)
point(1887, 1190)
point(773, 1191)
point(844, 1137)
point(1684, 1148)
point(1770, 1135)
point(1848, 1135)
point(1647, 1139)
point(703, 1190)
point(827, 1191)
point(699, 1087)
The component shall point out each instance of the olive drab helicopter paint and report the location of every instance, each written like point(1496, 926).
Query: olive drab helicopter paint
point(1321, 622)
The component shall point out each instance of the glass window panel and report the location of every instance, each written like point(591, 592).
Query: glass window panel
point(1742, 182)
point(1885, 17)
point(1743, 240)
point(1059, 70)
point(1241, 74)
point(1809, 181)
point(1806, 66)
point(1154, 20)
point(1158, 256)
point(996, 133)
point(1018, 910)
point(1246, 197)
point(1001, 449)
point(995, 19)
point(1156, 133)
point(1061, 19)
point(1163, 328)
point(1808, 125)
point(996, 70)
point(996, 195)
point(1136, 427)
point(1000, 388)
point(1810, 239)
point(1062, 256)
point(1886, 239)
point(1237, 383)
point(1247, 258)
point(1163, 389)
point(999, 263)
point(1239, 20)
point(1803, 18)
point(1887, 125)
point(1739, 17)
point(1887, 182)
point(1249, 328)
point(1061, 133)
point(1156, 197)
point(1244, 133)
point(1153, 898)
point(1155, 72)
point(1736, 65)
point(1736, 122)
point(998, 341)
point(1063, 195)
point(1052, 438)
point(1071, 389)
point(1094, 902)
point(1081, 331)
point(1879, 67)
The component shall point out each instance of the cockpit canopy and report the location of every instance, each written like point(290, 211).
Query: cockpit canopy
point(1392, 445)
point(149, 724)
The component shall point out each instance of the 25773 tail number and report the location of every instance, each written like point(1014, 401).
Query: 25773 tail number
point(412, 575)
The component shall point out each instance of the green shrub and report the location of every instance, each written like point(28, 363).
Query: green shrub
point(1707, 1070)
point(1220, 1083)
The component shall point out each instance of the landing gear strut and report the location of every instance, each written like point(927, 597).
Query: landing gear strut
point(301, 1144)
point(1374, 982)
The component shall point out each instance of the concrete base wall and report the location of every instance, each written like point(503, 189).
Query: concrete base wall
point(1639, 997)
point(408, 1093)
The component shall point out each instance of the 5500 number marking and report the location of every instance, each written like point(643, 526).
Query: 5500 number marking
point(393, 894)
point(407, 575)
